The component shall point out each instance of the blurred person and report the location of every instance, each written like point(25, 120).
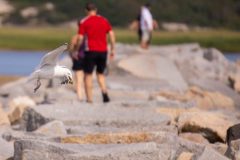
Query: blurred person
point(95, 29)
point(146, 26)
point(77, 56)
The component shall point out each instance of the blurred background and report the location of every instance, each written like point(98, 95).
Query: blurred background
point(30, 28)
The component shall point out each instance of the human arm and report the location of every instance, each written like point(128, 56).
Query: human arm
point(78, 44)
point(112, 44)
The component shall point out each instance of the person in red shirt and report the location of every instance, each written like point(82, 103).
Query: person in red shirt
point(94, 29)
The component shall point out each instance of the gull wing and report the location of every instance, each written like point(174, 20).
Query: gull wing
point(51, 57)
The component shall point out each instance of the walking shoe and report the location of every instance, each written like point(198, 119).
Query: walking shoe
point(105, 98)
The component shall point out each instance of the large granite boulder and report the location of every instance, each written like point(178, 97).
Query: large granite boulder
point(206, 123)
point(154, 66)
point(203, 99)
point(32, 120)
point(35, 150)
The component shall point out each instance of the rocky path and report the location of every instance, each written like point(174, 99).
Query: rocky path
point(167, 103)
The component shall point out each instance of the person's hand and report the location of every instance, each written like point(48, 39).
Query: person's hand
point(75, 55)
point(112, 54)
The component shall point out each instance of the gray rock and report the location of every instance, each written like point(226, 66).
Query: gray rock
point(214, 85)
point(32, 120)
point(154, 66)
point(6, 149)
point(36, 150)
point(210, 154)
point(102, 115)
point(54, 128)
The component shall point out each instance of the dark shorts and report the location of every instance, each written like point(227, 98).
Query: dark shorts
point(92, 59)
point(77, 64)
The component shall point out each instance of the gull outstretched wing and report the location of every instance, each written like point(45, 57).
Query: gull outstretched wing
point(51, 57)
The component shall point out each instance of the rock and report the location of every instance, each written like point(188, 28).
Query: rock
point(206, 123)
point(220, 147)
point(216, 86)
point(174, 112)
point(5, 7)
point(6, 149)
point(17, 106)
point(203, 99)
point(195, 137)
point(49, 6)
point(54, 128)
point(32, 120)
point(103, 115)
point(155, 67)
point(34, 150)
point(233, 133)
point(233, 150)
point(3, 117)
point(29, 12)
point(210, 154)
point(185, 156)
point(234, 81)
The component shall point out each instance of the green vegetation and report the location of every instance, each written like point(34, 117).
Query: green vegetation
point(49, 38)
point(214, 13)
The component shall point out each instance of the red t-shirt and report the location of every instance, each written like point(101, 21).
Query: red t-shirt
point(95, 29)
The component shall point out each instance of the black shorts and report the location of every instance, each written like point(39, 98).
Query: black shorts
point(92, 59)
point(77, 64)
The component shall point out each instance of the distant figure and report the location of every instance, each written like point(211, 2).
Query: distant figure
point(146, 26)
point(95, 29)
point(77, 56)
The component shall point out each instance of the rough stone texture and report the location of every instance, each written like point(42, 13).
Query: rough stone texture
point(234, 81)
point(102, 115)
point(195, 137)
point(160, 67)
point(210, 154)
point(233, 150)
point(203, 99)
point(17, 107)
point(35, 150)
point(135, 124)
point(174, 112)
point(54, 128)
point(216, 86)
point(185, 156)
point(3, 117)
point(31, 120)
point(205, 122)
point(6, 148)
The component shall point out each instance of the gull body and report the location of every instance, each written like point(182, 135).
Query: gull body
point(49, 69)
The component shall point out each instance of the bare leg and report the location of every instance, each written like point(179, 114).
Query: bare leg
point(79, 84)
point(38, 85)
point(144, 45)
point(88, 87)
point(101, 82)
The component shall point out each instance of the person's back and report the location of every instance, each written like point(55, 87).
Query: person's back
point(96, 29)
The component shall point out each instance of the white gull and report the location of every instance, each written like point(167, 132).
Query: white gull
point(49, 68)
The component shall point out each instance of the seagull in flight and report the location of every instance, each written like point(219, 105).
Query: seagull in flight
point(49, 68)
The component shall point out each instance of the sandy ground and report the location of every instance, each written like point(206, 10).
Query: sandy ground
point(6, 79)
